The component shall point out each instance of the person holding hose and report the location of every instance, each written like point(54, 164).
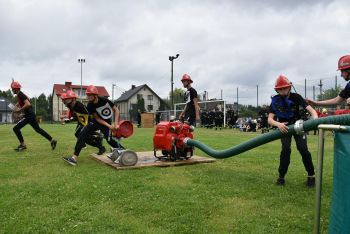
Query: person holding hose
point(284, 110)
point(344, 68)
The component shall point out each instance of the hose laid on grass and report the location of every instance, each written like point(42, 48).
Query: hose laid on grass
point(296, 128)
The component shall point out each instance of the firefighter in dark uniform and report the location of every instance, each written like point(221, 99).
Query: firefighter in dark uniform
point(231, 118)
point(211, 118)
point(344, 67)
point(23, 105)
point(285, 106)
point(190, 113)
point(78, 112)
point(219, 119)
point(263, 115)
point(102, 111)
point(203, 118)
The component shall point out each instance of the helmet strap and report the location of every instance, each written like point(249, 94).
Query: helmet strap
point(68, 103)
point(95, 99)
point(15, 91)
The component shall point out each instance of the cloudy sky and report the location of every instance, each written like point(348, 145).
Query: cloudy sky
point(223, 44)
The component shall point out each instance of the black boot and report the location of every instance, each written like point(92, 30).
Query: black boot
point(101, 151)
point(310, 181)
point(280, 181)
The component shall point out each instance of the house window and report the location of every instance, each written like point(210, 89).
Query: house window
point(77, 91)
point(150, 97)
point(150, 108)
point(139, 96)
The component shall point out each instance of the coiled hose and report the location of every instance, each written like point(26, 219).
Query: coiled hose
point(296, 128)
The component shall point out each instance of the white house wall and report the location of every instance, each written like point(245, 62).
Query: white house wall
point(9, 116)
point(57, 107)
point(124, 107)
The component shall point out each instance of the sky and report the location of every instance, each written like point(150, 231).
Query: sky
point(224, 45)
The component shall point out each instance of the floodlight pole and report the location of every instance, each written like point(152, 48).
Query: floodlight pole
point(81, 61)
point(171, 58)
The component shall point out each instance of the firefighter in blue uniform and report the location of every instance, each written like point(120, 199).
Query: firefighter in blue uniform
point(285, 107)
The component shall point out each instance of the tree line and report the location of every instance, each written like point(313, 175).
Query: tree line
point(42, 104)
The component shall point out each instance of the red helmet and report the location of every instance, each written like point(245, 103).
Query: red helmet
point(64, 96)
point(91, 90)
point(71, 94)
point(282, 82)
point(15, 85)
point(186, 77)
point(125, 129)
point(344, 62)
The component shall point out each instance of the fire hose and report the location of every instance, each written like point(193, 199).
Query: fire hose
point(298, 128)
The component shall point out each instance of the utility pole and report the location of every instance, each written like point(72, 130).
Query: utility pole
point(313, 92)
point(113, 85)
point(257, 96)
point(320, 89)
point(237, 101)
point(305, 89)
point(336, 83)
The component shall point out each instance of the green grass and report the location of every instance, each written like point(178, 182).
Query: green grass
point(39, 193)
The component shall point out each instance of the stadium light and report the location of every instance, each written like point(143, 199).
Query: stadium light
point(171, 58)
point(81, 61)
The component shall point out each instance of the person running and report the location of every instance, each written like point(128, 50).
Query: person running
point(78, 112)
point(191, 111)
point(23, 105)
point(285, 106)
point(344, 68)
point(102, 111)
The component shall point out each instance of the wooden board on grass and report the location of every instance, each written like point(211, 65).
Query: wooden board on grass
point(147, 159)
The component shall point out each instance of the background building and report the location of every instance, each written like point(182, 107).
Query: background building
point(138, 97)
point(5, 111)
point(58, 108)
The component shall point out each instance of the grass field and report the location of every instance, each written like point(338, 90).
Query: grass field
point(39, 193)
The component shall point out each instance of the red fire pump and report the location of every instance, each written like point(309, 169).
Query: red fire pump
point(169, 138)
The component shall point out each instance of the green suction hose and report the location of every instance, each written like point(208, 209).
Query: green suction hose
point(296, 128)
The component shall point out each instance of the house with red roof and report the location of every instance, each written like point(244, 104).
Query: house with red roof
point(58, 108)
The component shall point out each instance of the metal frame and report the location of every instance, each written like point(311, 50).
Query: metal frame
point(322, 128)
point(219, 100)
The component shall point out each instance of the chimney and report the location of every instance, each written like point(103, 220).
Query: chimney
point(133, 86)
point(68, 84)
